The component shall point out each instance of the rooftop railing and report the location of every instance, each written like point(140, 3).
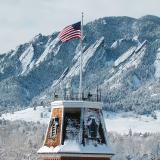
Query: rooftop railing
point(72, 97)
point(76, 97)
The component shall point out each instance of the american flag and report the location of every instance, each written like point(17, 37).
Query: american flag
point(70, 32)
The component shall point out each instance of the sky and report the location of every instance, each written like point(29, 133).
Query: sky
point(21, 20)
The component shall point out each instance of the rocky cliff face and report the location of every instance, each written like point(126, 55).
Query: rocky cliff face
point(121, 56)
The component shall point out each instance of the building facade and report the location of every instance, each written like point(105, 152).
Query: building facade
point(76, 131)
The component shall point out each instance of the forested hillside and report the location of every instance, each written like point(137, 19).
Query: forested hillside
point(121, 55)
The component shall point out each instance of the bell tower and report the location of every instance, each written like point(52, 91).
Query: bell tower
point(76, 131)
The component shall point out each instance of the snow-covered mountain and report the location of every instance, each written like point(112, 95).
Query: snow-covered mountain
point(121, 56)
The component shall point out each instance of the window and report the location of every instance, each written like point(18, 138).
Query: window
point(93, 129)
point(54, 125)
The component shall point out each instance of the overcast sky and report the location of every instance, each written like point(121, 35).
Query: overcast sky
point(21, 20)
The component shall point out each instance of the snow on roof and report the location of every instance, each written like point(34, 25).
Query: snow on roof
point(76, 104)
point(75, 147)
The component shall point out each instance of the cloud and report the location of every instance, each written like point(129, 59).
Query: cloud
point(20, 20)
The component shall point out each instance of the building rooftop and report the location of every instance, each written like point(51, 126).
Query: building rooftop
point(76, 104)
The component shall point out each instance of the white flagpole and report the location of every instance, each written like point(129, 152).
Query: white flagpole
point(80, 82)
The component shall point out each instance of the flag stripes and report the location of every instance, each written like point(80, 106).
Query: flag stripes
point(70, 32)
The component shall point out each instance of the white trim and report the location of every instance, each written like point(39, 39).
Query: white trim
point(62, 125)
point(103, 126)
point(48, 155)
point(45, 138)
point(76, 104)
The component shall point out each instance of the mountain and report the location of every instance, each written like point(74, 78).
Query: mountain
point(120, 55)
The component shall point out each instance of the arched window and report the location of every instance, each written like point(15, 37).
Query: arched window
point(93, 128)
point(54, 125)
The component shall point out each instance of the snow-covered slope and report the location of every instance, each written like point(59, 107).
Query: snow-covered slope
point(126, 62)
point(39, 113)
point(86, 57)
point(49, 48)
point(26, 59)
point(124, 56)
point(115, 122)
point(157, 64)
point(123, 122)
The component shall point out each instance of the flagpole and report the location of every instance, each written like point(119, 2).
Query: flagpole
point(80, 82)
point(81, 41)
